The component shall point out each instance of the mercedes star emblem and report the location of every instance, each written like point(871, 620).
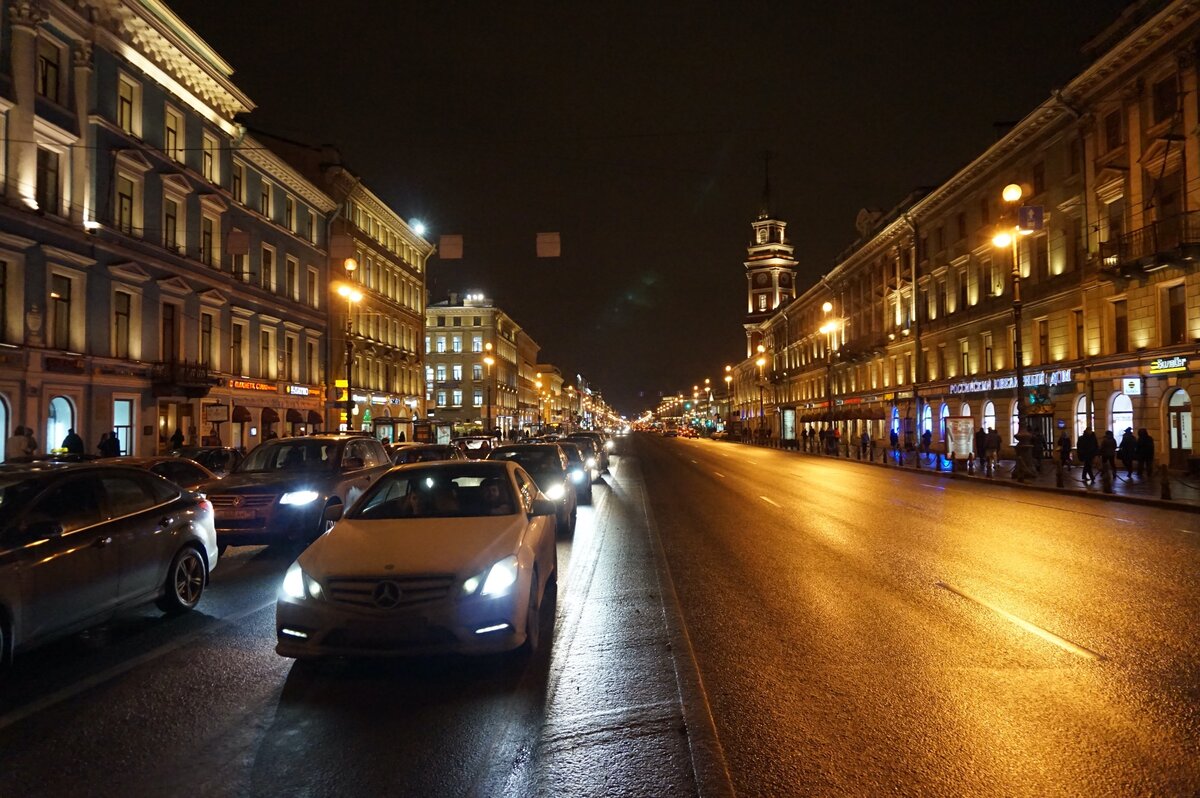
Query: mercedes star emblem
point(387, 595)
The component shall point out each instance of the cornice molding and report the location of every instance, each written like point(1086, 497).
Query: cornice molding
point(257, 154)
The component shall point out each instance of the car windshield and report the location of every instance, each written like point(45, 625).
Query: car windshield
point(572, 453)
point(534, 459)
point(438, 493)
point(292, 455)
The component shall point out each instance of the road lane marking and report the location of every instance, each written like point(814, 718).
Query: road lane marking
point(752, 462)
point(1045, 634)
point(718, 473)
point(769, 501)
point(1188, 531)
point(57, 697)
point(931, 485)
point(693, 461)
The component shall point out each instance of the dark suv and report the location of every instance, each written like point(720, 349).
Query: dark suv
point(291, 490)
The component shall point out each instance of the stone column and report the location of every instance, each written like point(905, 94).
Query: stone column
point(81, 203)
point(24, 18)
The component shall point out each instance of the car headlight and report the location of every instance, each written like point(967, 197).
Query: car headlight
point(496, 581)
point(297, 584)
point(577, 475)
point(608, 446)
point(591, 462)
point(554, 492)
point(298, 497)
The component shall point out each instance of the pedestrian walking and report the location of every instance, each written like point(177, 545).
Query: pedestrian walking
point(980, 446)
point(1087, 446)
point(926, 441)
point(14, 447)
point(836, 442)
point(1064, 450)
point(864, 445)
point(1145, 453)
point(177, 439)
point(1039, 449)
point(894, 440)
point(1126, 450)
point(73, 443)
point(1108, 452)
point(110, 446)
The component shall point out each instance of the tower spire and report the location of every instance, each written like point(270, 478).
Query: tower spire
point(765, 211)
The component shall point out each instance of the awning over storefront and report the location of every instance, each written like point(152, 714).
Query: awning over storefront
point(241, 415)
point(269, 416)
point(294, 416)
point(315, 418)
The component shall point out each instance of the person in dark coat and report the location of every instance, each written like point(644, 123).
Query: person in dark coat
point(1127, 450)
point(980, 445)
point(926, 441)
point(1145, 453)
point(73, 443)
point(1087, 446)
point(1064, 450)
point(991, 446)
point(1108, 452)
point(110, 445)
point(1039, 448)
point(177, 439)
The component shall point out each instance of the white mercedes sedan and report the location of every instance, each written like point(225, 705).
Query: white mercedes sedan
point(456, 556)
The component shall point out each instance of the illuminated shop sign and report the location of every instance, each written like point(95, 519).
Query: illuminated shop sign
point(379, 400)
point(1008, 382)
point(251, 385)
point(360, 398)
point(1168, 365)
point(299, 390)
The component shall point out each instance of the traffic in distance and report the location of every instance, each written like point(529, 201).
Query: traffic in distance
point(402, 549)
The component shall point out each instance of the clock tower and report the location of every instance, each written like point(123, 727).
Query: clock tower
point(770, 272)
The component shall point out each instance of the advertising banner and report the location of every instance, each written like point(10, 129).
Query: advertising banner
point(960, 435)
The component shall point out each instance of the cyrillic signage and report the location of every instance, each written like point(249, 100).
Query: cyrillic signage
point(251, 385)
point(299, 390)
point(1008, 382)
point(1168, 365)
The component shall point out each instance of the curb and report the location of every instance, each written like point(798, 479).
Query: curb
point(1012, 483)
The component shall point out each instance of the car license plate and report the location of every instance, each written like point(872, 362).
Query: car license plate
point(239, 515)
point(387, 632)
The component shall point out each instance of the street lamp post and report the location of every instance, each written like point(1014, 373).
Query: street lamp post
point(728, 397)
point(489, 361)
point(352, 296)
point(827, 328)
point(1006, 238)
point(760, 362)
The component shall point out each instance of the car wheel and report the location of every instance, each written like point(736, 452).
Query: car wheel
point(185, 582)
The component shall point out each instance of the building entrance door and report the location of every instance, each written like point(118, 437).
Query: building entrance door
point(174, 416)
point(1179, 429)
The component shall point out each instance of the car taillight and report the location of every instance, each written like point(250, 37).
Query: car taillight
point(205, 505)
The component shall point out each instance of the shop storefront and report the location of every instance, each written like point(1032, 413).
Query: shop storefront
point(244, 413)
point(387, 417)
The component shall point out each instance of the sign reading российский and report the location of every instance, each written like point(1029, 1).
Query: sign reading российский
point(1008, 382)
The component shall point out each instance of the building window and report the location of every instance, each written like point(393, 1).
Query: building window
point(122, 323)
point(206, 339)
point(208, 240)
point(441, 398)
point(1039, 178)
point(440, 344)
point(49, 72)
point(1043, 336)
point(173, 140)
point(1120, 326)
point(60, 307)
point(1082, 416)
point(1176, 327)
point(440, 370)
point(125, 197)
point(985, 212)
point(237, 183)
point(313, 365)
point(313, 296)
point(988, 364)
point(962, 225)
point(1112, 130)
point(289, 357)
point(128, 101)
point(170, 224)
point(456, 397)
point(3, 304)
point(292, 275)
point(962, 290)
point(311, 230)
point(762, 302)
point(456, 371)
point(456, 343)
point(266, 270)
point(476, 371)
point(1077, 325)
point(240, 270)
point(289, 213)
point(238, 349)
point(211, 166)
point(428, 349)
point(1122, 413)
point(1041, 256)
point(170, 332)
point(965, 351)
point(989, 415)
point(264, 199)
point(1165, 99)
point(46, 193)
point(264, 354)
point(478, 399)
point(476, 343)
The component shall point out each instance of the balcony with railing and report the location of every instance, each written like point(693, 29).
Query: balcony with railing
point(1155, 246)
point(183, 378)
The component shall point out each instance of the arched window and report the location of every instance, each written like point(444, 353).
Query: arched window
point(1082, 418)
point(1016, 420)
point(60, 419)
point(896, 419)
point(1122, 414)
point(927, 420)
point(943, 414)
point(4, 431)
point(989, 415)
point(1179, 423)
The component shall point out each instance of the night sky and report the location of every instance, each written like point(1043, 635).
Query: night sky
point(637, 132)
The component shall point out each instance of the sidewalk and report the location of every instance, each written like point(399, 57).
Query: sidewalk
point(1184, 490)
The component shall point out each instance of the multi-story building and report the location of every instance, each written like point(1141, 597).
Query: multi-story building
point(918, 322)
point(373, 251)
point(144, 287)
point(550, 389)
point(465, 392)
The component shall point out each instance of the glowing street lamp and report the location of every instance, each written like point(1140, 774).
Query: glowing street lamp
point(353, 296)
point(489, 361)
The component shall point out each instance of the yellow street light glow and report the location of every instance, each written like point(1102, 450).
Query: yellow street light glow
point(349, 293)
point(828, 306)
point(729, 368)
point(1002, 239)
point(488, 346)
point(728, 379)
point(350, 264)
point(761, 349)
point(1012, 193)
point(762, 361)
point(489, 360)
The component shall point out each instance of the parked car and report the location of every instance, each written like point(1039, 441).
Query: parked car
point(548, 465)
point(291, 490)
point(404, 453)
point(456, 556)
point(475, 447)
point(581, 474)
point(183, 472)
point(221, 460)
point(80, 542)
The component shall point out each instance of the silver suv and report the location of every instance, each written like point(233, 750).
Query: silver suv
point(292, 490)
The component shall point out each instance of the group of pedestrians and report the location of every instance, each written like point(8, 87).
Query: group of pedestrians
point(1131, 450)
point(22, 445)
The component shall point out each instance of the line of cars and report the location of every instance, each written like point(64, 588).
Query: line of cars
point(79, 542)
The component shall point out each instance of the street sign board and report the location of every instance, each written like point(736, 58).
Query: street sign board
point(1031, 217)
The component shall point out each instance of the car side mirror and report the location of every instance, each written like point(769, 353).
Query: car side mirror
point(543, 507)
point(352, 463)
point(43, 529)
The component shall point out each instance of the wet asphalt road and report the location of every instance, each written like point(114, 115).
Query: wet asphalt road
point(859, 629)
point(728, 618)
